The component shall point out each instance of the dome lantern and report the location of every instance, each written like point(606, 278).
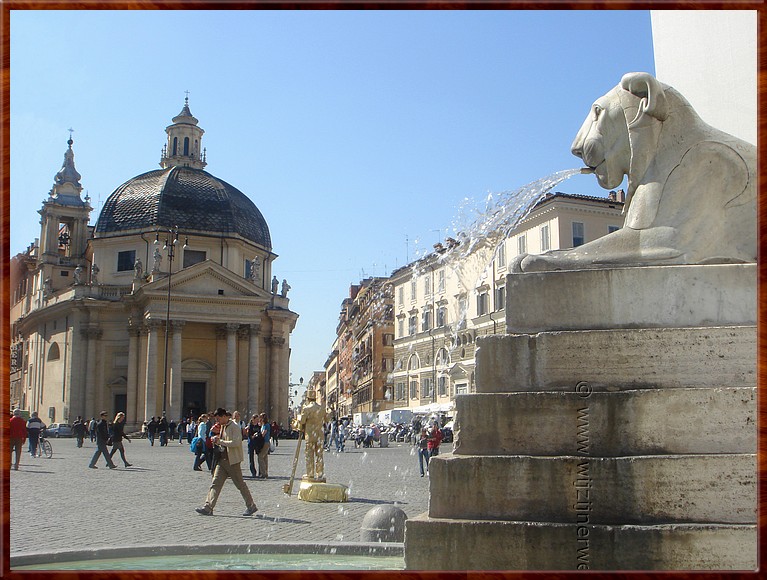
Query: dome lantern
point(184, 145)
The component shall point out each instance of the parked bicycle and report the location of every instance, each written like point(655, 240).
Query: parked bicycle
point(44, 446)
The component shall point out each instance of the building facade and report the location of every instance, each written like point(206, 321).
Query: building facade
point(441, 305)
point(167, 305)
point(358, 369)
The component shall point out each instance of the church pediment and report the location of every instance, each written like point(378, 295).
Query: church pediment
point(207, 279)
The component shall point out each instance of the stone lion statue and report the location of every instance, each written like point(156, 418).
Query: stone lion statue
point(691, 195)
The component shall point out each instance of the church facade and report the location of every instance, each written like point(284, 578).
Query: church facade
point(167, 304)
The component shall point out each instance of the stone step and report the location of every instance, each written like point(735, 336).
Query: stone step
point(636, 422)
point(644, 297)
point(521, 545)
point(650, 489)
point(617, 359)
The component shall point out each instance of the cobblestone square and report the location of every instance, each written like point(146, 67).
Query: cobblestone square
point(60, 504)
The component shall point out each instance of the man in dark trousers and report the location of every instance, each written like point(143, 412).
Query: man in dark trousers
point(151, 430)
point(79, 429)
point(162, 429)
point(102, 434)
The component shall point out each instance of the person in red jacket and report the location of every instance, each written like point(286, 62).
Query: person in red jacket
point(18, 435)
point(435, 438)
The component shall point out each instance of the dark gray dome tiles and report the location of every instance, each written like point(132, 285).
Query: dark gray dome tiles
point(191, 199)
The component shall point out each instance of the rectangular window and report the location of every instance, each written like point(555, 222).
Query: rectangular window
point(401, 294)
point(399, 391)
point(442, 381)
point(401, 327)
point(413, 325)
point(578, 234)
point(427, 285)
point(125, 260)
point(441, 316)
point(500, 298)
point(482, 306)
point(463, 307)
point(441, 281)
point(388, 339)
point(413, 289)
point(426, 388)
point(192, 257)
point(522, 244)
point(425, 320)
point(545, 239)
point(500, 257)
point(413, 389)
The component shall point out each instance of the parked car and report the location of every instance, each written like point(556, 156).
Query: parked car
point(59, 430)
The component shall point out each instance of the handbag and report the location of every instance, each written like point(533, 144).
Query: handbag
point(258, 442)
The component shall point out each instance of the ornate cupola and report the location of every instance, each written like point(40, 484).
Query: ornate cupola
point(65, 216)
point(184, 146)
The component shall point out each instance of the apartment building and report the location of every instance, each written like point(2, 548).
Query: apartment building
point(442, 304)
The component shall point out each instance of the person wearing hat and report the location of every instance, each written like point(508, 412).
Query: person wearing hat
point(229, 442)
point(102, 434)
point(312, 421)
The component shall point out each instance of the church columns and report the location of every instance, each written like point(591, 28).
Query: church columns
point(230, 388)
point(255, 397)
point(150, 397)
point(91, 334)
point(174, 403)
point(132, 386)
point(274, 402)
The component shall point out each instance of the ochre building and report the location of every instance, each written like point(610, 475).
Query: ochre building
point(168, 304)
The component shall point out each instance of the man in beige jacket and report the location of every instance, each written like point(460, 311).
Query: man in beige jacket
point(229, 440)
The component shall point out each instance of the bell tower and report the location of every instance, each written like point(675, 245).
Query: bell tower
point(64, 221)
point(184, 146)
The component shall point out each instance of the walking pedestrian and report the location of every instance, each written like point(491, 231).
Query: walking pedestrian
point(172, 429)
point(181, 430)
point(79, 428)
point(341, 438)
point(255, 443)
point(118, 434)
point(435, 438)
point(191, 430)
point(229, 442)
point(423, 450)
point(92, 429)
point(102, 434)
point(35, 426)
point(17, 435)
point(162, 429)
point(275, 433)
point(263, 455)
point(151, 430)
point(199, 444)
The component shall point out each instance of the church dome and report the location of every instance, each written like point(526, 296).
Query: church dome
point(187, 197)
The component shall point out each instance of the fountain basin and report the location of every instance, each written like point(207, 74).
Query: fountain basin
point(262, 556)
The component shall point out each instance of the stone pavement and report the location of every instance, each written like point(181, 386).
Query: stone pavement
point(60, 504)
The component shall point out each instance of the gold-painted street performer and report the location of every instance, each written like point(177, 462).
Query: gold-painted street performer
point(312, 422)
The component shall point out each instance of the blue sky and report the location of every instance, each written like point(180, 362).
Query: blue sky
point(358, 134)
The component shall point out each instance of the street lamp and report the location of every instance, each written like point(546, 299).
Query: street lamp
point(170, 245)
point(300, 383)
